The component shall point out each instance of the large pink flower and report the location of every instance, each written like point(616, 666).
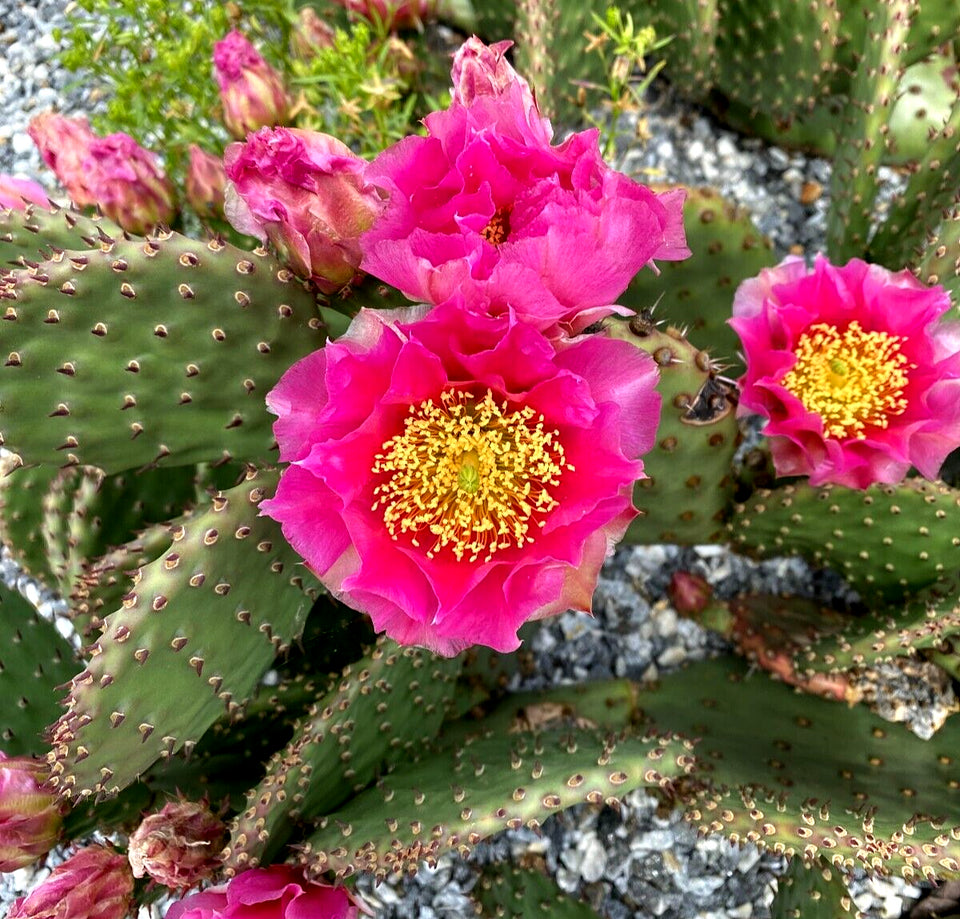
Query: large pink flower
point(277, 892)
point(454, 474)
point(485, 205)
point(304, 191)
point(858, 377)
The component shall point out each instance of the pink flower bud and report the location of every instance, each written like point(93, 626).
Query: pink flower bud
point(251, 91)
point(305, 193)
point(64, 144)
point(18, 193)
point(310, 35)
point(689, 593)
point(206, 179)
point(95, 883)
point(393, 14)
point(128, 184)
point(277, 892)
point(178, 847)
point(29, 816)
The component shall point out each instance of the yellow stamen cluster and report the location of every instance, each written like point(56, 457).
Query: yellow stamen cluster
point(852, 379)
point(472, 473)
point(498, 229)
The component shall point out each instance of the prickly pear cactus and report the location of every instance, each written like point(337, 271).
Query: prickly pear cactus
point(188, 643)
point(686, 495)
point(126, 353)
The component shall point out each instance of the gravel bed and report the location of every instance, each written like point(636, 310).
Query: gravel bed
point(638, 861)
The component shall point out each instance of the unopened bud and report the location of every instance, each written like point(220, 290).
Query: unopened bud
point(689, 593)
point(64, 144)
point(310, 35)
point(178, 847)
point(29, 815)
point(251, 91)
point(95, 883)
point(206, 179)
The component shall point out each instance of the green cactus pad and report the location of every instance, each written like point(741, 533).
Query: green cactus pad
point(521, 893)
point(931, 621)
point(188, 644)
point(696, 294)
point(940, 263)
point(35, 660)
point(686, 495)
point(862, 138)
point(148, 352)
point(453, 798)
point(383, 709)
point(812, 891)
point(21, 519)
point(888, 541)
point(775, 774)
point(33, 233)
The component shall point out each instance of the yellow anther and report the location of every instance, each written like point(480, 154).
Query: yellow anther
point(852, 379)
point(472, 473)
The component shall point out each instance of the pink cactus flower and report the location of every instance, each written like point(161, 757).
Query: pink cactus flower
point(16, 194)
point(94, 883)
point(179, 846)
point(454, 474)
point(251, 91)
point(64, 143)
point(310, 35)
point(305, 193)
point(128, 184)
point(30, 817)
point(858, 378)
point(277, 892)
point(485, 205)
point(393, 14)
point(206, 180)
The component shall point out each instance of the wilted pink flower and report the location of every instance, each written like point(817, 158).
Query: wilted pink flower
point(64, 144)
point(393, 14)
point(128, 184)
point(857, 377)
point(454, 474)
point(18, 193)
point(251, 91)
point(206, 179)
point(95, 883)
point(179, 846)
point(304, 191)
point(486, 206)
point(277, 892)
point(29, 816)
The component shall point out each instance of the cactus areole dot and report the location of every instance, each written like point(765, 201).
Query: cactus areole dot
point(469, 474)
point(853, 379)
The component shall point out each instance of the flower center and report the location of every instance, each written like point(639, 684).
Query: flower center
point(498, 229)
point(474, 474)
point(852, 379)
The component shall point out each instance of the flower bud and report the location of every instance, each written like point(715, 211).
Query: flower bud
point(64, 144)
point(305, 193)
point(689, 593)
point(95, 883)
point(206, 179)
point(178, 847)
point(251, 91)
point(29, 816)
point(310, 35)
point(393, 14)
point(18, 193)
point(127, 183)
